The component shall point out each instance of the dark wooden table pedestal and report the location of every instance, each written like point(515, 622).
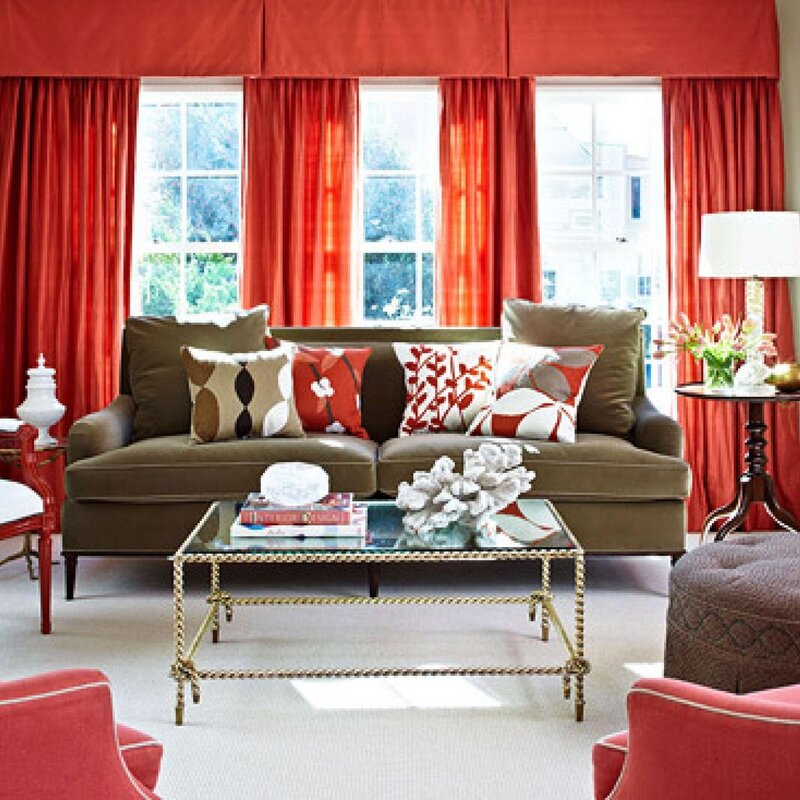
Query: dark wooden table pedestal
point(755, 484)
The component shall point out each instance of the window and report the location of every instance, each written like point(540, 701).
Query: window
point(186, 216)
point(398, 182)
point(601, 201)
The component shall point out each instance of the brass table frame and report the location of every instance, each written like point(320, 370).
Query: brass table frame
point(185, 671)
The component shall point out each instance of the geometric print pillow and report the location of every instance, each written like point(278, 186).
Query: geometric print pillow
point(446, 384)
point(538, 398)
point(327, 388)
point(240, 395)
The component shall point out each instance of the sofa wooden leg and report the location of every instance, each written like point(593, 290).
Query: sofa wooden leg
point(373, 578)
point(70, 572)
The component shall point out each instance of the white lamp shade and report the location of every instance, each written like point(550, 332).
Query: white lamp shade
point(750, 244)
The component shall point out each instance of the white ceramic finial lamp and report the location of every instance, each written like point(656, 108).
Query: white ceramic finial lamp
point(752, 245)
point(41, 407)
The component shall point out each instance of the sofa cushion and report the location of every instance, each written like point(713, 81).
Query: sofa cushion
point(173, 469)
point(155, 372)
point(607, 404)
point(240, 395)
point(595, 467)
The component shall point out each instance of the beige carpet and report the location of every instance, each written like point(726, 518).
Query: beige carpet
point(438, 738)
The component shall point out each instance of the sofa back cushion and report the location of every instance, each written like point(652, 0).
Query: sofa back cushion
point(607, 403)
point(383, 392)
point(154, 371)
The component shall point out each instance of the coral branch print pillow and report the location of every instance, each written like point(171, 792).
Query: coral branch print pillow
point(240, 395)
point(537, 397)
point(327, 388)
point(446, 385)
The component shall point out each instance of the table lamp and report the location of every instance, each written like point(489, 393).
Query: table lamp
point(752, 245)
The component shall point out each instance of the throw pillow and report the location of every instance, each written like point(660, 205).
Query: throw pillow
point(240, 395)
point(446, 384)
point(538, 399)
point(607, 406)
point(162, 405)
point(327, 388)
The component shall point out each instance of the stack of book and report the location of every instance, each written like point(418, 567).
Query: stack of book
point(334, 522)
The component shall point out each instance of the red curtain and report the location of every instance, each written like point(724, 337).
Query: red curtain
point(300, 144)
point(724, 152)
point(66, 204)
point(488, 241)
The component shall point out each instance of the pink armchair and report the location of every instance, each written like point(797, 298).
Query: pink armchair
point(58, 739)
point(688, 742)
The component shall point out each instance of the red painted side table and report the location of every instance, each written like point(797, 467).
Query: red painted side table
point(17, 449)
point(755, 484)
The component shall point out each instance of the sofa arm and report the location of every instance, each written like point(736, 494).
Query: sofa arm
point(655, 431)
point(104, 430)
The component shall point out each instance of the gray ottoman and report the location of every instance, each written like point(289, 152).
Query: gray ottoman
point(734, 614)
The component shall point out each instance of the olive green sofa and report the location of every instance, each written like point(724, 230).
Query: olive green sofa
point(619, 492)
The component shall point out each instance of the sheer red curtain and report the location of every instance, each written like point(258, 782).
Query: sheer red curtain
point(724, 152)
point(488, 238)
point(66, 203)
point(300, 145)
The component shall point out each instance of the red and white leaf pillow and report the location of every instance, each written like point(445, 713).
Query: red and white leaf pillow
point(327, 388)
point(446, 385)
point(536, 397)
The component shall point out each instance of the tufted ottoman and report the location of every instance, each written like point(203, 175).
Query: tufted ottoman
point(734, 614)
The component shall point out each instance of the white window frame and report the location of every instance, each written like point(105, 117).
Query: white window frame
point(593, 244)
point(171, 91)
point(419, 247)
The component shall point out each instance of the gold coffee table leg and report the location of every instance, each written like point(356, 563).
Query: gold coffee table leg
point(546, 592)
point(179, 630)
point(215, 600)
point(580, 662)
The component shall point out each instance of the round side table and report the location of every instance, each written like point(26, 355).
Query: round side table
point(755, 484)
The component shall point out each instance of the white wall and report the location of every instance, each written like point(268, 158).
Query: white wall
point(789, 20)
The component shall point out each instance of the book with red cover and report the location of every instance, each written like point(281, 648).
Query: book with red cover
point(333, 509)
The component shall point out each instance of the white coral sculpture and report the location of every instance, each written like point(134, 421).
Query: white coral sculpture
point(494, 476)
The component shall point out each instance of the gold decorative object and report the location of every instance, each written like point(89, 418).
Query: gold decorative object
point(185, 671)
point(785, 377)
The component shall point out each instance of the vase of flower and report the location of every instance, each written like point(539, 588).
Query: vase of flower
point(718, 348)
point(718, 372)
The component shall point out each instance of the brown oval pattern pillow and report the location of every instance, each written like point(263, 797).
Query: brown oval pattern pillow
point(240, 395)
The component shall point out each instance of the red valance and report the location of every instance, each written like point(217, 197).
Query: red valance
point(109, 38)
point(404, 38)
point(352, 38)
point(674, 38)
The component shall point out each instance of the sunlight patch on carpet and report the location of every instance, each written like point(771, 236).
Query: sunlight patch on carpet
point(653, 669)
point(398, 693)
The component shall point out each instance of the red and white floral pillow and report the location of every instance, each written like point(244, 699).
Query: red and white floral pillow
point(446, 385)
point(327, 388)
point(536, 397)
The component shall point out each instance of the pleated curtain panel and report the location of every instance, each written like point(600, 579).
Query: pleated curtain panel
point(488, 239)
point(724, 152)
point(66, 208)
point(300, 145)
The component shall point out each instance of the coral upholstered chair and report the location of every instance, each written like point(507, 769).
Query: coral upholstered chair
point(24, 512)
point(688, 742)
point(58, 739)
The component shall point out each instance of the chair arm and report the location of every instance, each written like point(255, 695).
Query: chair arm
point(688, 741)
point(655, 431)
point(58, 739)
point(104, 430)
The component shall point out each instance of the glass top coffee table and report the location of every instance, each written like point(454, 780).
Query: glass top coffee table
point(529, 530)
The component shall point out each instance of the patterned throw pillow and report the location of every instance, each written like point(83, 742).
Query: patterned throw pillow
point(327, 388)
point(446, 385)
point(537, 398)
point(240, 395)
